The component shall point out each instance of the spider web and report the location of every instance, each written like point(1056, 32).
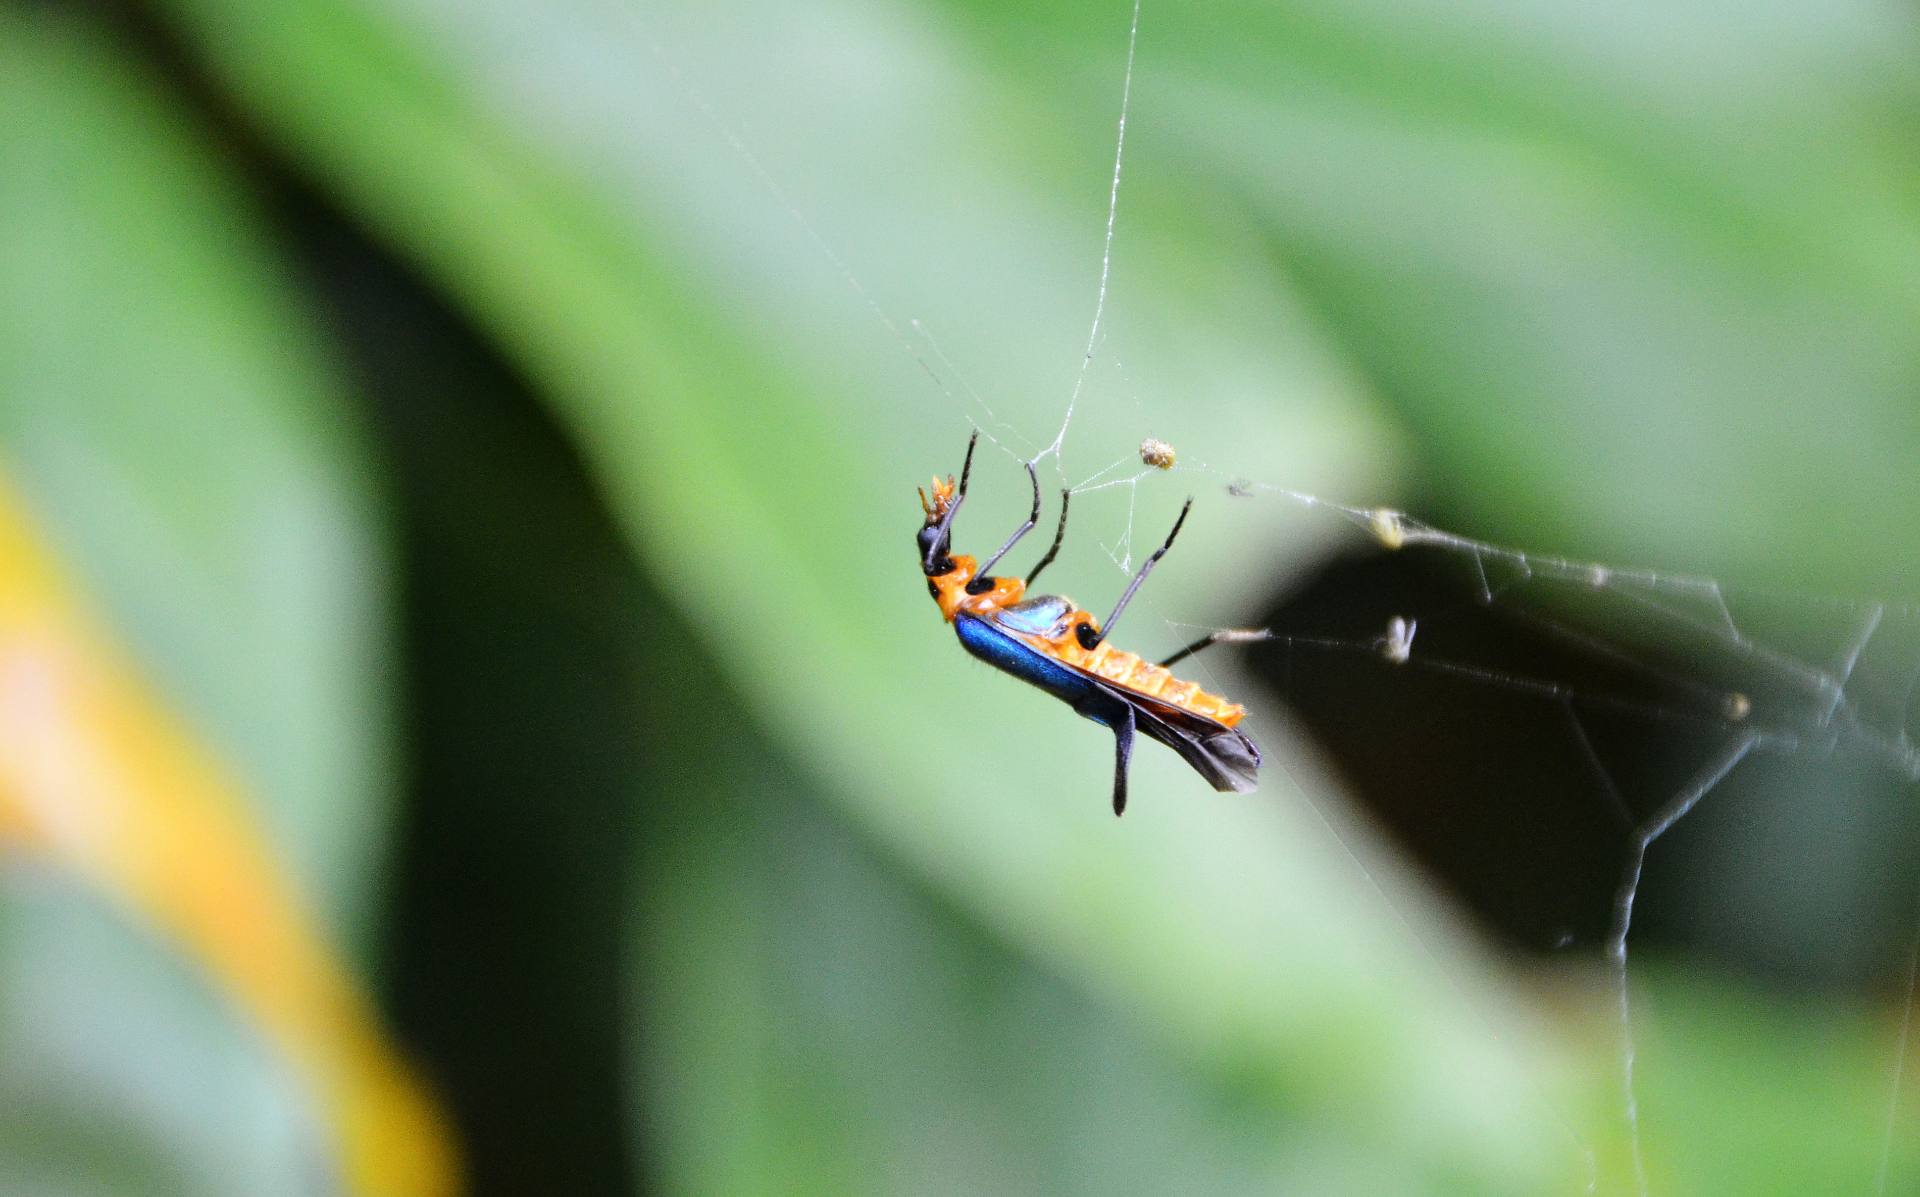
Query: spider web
point(1738, 675)
point(1735, 697)
point(1787, 701)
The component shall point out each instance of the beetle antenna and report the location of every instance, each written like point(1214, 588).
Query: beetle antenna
point(966, 471)
point(939, 545)
point(966, 467)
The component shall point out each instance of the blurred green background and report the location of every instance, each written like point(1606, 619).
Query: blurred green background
point(491, 430)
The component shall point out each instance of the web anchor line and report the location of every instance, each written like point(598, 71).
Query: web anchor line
point(1106, 249)
point(1643, 839)
point(1899, 1070)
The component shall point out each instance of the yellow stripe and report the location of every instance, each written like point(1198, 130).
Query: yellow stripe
point(97, 776)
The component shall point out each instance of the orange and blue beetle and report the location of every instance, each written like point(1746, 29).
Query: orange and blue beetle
point(1050, 643)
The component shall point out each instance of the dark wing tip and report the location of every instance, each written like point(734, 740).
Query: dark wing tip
point(1235, 761)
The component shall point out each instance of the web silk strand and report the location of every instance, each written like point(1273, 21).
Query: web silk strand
point(1899, 1071)
point(1643, 839)
point(1106, 251)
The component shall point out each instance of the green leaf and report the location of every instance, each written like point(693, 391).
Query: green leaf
point(1639, 281)
point(172, 422)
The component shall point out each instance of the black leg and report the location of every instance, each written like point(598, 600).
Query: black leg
point(987, 567)
point(1122, 755)
point(1145, 569)
point(1224, 636)
point(1059, 534)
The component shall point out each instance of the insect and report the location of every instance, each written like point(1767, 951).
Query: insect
point(1052, 644)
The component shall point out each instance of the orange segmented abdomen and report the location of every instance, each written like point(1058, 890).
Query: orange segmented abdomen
point(1130, 672)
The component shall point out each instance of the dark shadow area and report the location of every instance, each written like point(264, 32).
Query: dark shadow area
point(525, 646)
point(1514, 751)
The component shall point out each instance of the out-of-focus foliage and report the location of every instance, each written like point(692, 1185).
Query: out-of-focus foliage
point(1631, 280)
point(173, 427)
point(178, 430)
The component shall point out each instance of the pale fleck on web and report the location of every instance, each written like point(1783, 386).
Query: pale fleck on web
point(1800, 703)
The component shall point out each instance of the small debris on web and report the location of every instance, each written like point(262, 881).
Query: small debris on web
point(1397, 645)
point(1156, 453)
point(1387, 526)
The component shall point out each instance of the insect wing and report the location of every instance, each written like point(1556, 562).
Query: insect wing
point(1224, 756)
point(1043, 616)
